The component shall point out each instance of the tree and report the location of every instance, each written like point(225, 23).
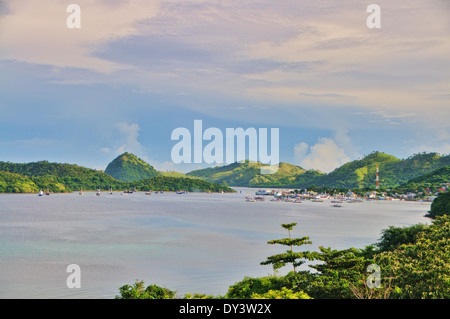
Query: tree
point(289, 256)
point(440, 205)
point(137, 291)
point(421, 270)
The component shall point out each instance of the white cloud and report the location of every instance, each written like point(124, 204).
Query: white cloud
point(327, 154)
point(324, 156)
point(129, 134)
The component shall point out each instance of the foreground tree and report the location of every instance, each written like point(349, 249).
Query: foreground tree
point(138, 291)
point(421, 270)
point(291, 257)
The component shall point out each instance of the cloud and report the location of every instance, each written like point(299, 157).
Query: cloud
point(327, 154)
point(39, 34)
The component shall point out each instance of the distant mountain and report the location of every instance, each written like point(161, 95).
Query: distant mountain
point(359, 173)
point(249, 174)
point(128, 167)
point(433, 181)
point(57, 177)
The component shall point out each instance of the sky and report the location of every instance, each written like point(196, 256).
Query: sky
point(136, 70)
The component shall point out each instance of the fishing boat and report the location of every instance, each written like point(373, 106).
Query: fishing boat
point(98, 192)
point(41, 193)
point(48, 192)
point(81, 191)
point(110, 191)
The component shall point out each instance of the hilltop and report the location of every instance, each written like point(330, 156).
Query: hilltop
point(249, 174)
point(359, 173)
point(128, 167)
point(58, 177)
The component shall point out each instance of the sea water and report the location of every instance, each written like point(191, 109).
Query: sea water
point(190, 243)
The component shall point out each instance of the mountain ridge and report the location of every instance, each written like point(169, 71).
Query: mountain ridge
point(360, 173)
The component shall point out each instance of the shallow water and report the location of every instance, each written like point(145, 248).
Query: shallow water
point(194, 242)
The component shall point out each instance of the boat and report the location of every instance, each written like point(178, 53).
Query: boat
point(337, 205)
point(263, 192)
point(181, 192)
point(48, 192)
point(81, 191)
point(41, 193)
point(98, 192)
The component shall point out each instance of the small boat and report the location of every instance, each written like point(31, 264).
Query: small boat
point(337, 205)
point(98, 192)
point(81, 191)
point(110, 191)
point(48, 192)
point(181, 192)
point(148, 193)
point(41, 193)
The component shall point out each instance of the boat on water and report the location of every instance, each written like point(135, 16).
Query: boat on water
point(181, 192)
point(41, 193)
point(337, 205)
point(48, 192)
point(98, 192)
point(263, 192)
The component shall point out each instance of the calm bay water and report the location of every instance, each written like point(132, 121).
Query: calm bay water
point(192, 242)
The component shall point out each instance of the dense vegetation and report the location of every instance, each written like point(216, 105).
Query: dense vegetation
point(440, 206)
point(414, 263)
point(430, 182)
point(249, 174)
point(128, 167)
point(32, 177)
point(356, 174)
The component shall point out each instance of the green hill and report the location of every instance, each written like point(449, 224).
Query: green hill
point(249, 174)
point(128, 167)
point(431, 181)
point(61, 177)
point(359, 173)
point(57, 177)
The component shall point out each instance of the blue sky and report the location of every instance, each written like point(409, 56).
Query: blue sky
point(136, 70)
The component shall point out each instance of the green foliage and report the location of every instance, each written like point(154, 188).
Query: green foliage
point(433, 181)
point(440, 205)
point(137, 291)
point(31, 177)
point(128, 167)
point(421, 270)
point(360, 173)
point(289, 256)
point(249, 286)
point(249, 174)
point(284, 293)
point(414, 263)
point(393, 237)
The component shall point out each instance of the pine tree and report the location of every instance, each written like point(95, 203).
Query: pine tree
point(289, 256)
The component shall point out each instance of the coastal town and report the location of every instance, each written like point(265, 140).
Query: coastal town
point(295, 195)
